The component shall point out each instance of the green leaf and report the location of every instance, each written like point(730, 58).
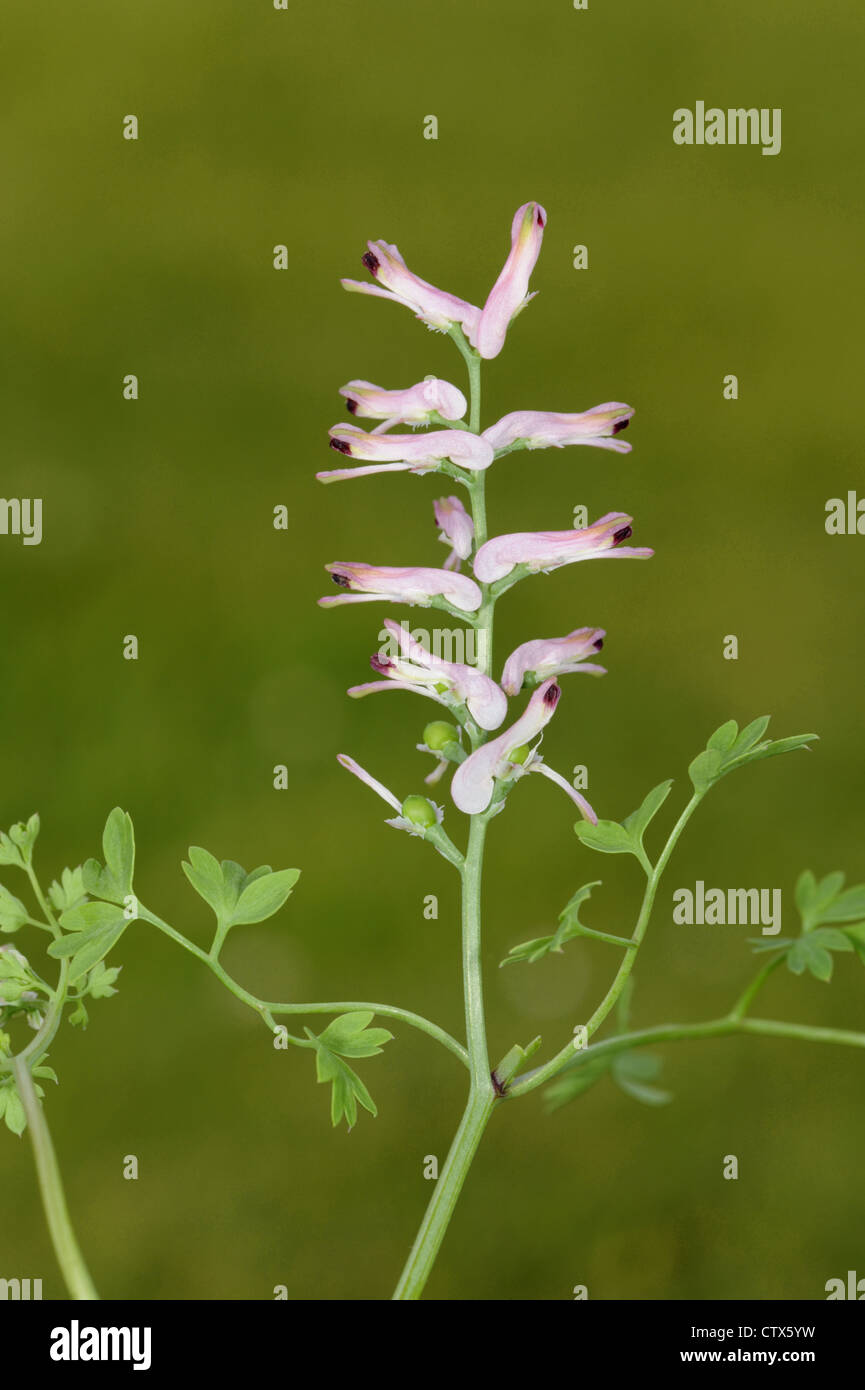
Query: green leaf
point(575, 1083)
point(727, 749)
point(79, 1017)
point(608, 837)
point(13, 913)
point(101, 980)
point(16, 847)
point(264, 894)
point(12, 1110)
point(347, 1036)
point(706, 768)
point(118, 846)
point(638, 821)
point(569, 927)
point(808, 954)
point(825, 902)
point(69, 892)
point(632, 1072)
point(86, 918)
point(205, 874)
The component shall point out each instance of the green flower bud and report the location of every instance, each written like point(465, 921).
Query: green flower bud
point(520, 754)
point(439, 734)
point(419, 811)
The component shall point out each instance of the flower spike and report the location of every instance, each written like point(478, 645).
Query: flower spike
point(543, 551)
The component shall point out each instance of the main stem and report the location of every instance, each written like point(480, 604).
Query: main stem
point(482, 1095)
point(69, 1256)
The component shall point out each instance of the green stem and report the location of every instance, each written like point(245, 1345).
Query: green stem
point(566, 1054)
point(266, 1008)
point(482, 1096)
point(69, 1257)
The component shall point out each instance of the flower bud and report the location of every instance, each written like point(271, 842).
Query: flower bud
point(520, 754)
point(439, 734)
point(419, 811)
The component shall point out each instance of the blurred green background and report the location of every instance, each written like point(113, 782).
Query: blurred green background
point(260, 127)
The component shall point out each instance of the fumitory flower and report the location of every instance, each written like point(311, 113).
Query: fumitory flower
point(510, 292)
point(509, 756)
point(553, 656)
point(543, 551)
point(444, 681)
point(400, 453)
point(395, 281)
point(458, 530)
point(416, 405)
point(373, 583)
point(547, 429)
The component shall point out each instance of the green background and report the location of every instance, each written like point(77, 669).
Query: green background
point(304, 127)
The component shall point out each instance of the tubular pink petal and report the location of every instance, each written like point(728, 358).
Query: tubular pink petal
point(585, 809)
point(508, 295)
point(357, 692)
point(370, 781)
point(395, 281)
point(552, 656)
point(461, 447)
point(540, 429)
point(340, 475)
point(414, 586)
point(457, 527)
point(412, 406)
point(547, 550)
point(485, 700)
point(474, 780)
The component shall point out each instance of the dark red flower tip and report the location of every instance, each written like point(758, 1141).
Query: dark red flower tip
point(351, 406)
point(598, 643)
point(341, 446)
point(342, 580)
point(620, 425)
point(371, 262)
point(540, 218)
point(380, 663)
point(622, 535)
point(551, 696)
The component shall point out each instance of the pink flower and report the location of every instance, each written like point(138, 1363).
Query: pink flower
point(373, 583)
point(458, 529)
point(395, 281)
point(418, 453)
point(548, 550)
point(553, 656)
point(444, 681)
point(414, 406)
point(542, 429)
point(507, 758)
point(510, 292)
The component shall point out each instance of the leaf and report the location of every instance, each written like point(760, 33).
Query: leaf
point(79, 1018)
point(101, 980)
point(69, 892)
point(569, 927)
point(638, 821)
point(808, 954)
point(264, 894)
point(727, 749)
point(706, 769)
point(575, 1083)
point(825, 901)
point(12, 1110)
point(86, 918)
point(94, 930)
point(347, 1036)
point(205, 874)
point(16, 847)
point(632, 1071)
point(608, 837)
point(350, 1035)
point(13, 913)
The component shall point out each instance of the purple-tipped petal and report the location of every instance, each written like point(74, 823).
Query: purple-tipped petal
point(552, 656)
point(395, 281)
point(510, 292)
point(484, 699)
point(365, 776)
point(370, 583)
point(413, 406)
point(540, 429)
point(473, 782)
point(419, 451)
point(548, 550)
